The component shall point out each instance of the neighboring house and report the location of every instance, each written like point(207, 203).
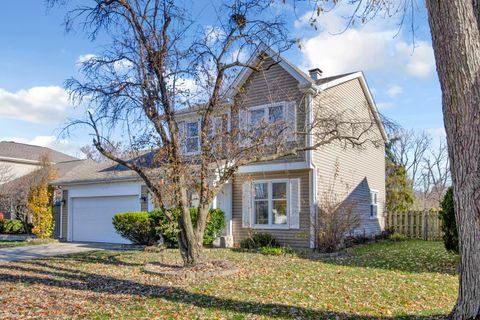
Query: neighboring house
point(280, 197)
point(18, 161)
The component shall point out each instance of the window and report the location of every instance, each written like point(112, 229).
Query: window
point(373, 203)
point(192, 141)
point(270, 203)
point(271, 114)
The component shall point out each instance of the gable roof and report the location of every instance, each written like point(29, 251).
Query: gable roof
point(62, 169)
point(14, 150)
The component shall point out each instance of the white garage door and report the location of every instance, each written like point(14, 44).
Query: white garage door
point(92, 217)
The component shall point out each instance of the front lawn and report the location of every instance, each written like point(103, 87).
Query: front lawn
point(410, 279)
point(9, 244)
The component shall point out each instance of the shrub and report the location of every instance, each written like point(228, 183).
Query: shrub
point(136, 227)
point(147, 228)
point(12, 226)
point(169, 230)
point(449, 225)
point(275, 251)
point(398, 237)
point(259, 240)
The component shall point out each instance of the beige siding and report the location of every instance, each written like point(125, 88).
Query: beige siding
point(359, 170)
point(273, 84)
point(64, 214)
point(293, 237)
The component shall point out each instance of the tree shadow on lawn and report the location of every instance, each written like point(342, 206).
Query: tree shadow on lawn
point(85, 281)
point(390, 257)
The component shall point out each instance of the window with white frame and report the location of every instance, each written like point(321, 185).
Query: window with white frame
point(192, 137)
point(373, 203)
point(270, 203)
point(268, 114)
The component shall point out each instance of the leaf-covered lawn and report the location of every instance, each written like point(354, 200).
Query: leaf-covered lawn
point(410, 279)
point(8, 244)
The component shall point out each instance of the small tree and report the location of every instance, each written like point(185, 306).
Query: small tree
point(449, 226)
point(337, 217)
point(40, 200)
point(399, 192)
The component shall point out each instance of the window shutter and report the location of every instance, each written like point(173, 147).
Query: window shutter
point(182, 136)
point(291, 120)
point(294, 216)
point(247, 204)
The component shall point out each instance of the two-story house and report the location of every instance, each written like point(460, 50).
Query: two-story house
point(283, 196)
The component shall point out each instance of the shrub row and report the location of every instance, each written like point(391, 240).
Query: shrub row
point(147, 228)
point(14, 226)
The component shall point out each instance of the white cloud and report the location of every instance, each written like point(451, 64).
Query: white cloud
point(85, 57)
point(371, 46)
point(62, 145)
point(384, 105)
point(37, 104)
point(437, 133)
point(394, 90)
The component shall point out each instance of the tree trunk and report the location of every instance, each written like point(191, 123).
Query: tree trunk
point(456, 43)
point(187, 244)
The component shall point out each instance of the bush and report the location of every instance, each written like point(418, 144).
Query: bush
point(275, 251)
point(398, 237)
point(449, 225)
point(147, 228)
point(136, 227)
point(11, 226)
point(259, 240)
point(169, 230)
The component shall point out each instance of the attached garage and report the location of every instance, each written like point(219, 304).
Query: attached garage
point(92, 217)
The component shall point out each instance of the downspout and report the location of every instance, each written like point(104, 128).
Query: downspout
point(313, 170)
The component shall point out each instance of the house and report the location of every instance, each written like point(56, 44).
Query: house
point(18, 162)
point(19, 159)
point(280, 197)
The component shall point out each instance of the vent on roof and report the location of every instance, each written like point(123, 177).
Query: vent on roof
point(315, 74)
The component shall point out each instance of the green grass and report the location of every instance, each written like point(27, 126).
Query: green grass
point(9, 244)
point(407, 279)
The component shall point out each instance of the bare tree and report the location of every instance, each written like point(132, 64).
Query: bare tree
point(6, 173)
point(337, 215)
point(435, 176)
point(161, 66)
point(409, 149)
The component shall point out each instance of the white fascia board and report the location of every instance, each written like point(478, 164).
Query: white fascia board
point(19, 160)
point(274, 167)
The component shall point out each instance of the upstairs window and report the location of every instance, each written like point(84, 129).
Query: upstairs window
point(192, 137)
point(373, 204)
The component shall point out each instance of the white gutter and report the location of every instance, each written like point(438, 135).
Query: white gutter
point(19, 160)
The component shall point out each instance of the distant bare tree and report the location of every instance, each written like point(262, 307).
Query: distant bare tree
point(409, 149)
point(6, 173)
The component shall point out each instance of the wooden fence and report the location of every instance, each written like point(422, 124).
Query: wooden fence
point(416, 224)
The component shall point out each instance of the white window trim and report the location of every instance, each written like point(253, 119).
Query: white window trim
point(187, 122)
point(270, 225)
point(373, 204)
point(265, 107)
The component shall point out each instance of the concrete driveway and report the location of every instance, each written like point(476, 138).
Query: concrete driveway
point(53, 249)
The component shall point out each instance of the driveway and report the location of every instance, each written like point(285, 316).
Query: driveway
point(53, 249)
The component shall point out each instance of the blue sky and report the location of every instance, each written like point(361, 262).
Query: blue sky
point(37, 56)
